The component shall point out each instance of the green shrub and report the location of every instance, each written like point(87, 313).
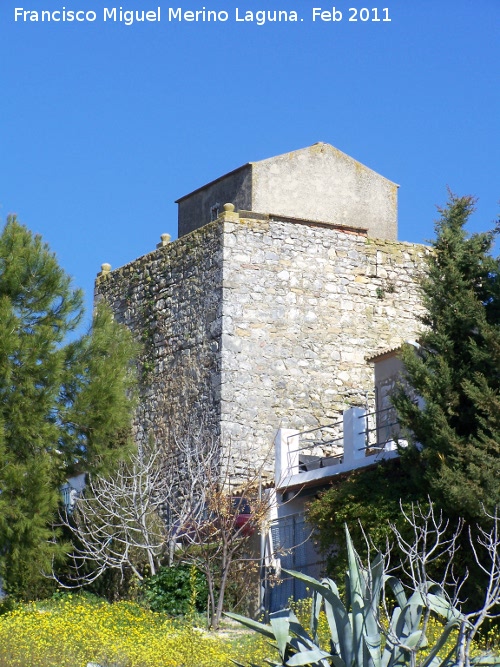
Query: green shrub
point(178, 590)
point(368, 501)
point(7, 604)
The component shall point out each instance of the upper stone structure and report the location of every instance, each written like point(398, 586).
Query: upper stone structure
point(318, 183)
point(265, 319)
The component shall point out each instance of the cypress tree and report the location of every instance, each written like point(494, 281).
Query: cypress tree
point(64, 407)
point(450, 404)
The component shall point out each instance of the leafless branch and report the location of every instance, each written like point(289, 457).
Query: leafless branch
point(489, 563)
point(432, 542)
point(115, 522)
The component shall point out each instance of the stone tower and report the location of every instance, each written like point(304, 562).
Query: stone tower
point(286, 277)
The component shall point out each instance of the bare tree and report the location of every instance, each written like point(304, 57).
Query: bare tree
point(116, 522)
point(490, 542)
point(226, 534)
point(214, 507)
point(434, 542)
point(191, 461)
point(185, 504)
point(134, 517)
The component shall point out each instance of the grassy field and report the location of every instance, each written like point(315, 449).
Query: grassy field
point(72, 631)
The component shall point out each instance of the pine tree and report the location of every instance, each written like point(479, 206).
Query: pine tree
point(454, 450)
point(64, 407)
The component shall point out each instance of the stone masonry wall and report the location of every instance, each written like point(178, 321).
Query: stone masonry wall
point(172, 300)
point(304, 306)
point(251, 324)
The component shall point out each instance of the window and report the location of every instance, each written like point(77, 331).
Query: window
point(214, 211)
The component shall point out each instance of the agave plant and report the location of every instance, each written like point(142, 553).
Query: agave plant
point(358, 637)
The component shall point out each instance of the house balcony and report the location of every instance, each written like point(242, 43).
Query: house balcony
point(358, 440)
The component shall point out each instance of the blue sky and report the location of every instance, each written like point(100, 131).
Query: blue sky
point(103, 125)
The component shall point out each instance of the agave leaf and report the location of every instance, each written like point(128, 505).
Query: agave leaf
point(397, 656)
point(326, 587)
point(403, 623)
point(373, 644)
point(280, 623)
point(449, 661)
point(307, 657)
point(388, 653)
point(486, 659)
point(437, 662)
point(300, 645)
point(315, 612)
point(297, 646)
point(301, 634)
point(371, 630)
point(337, 661)
point(448, 628)
point(394, 620)
point(357, 603)
point(253, 625)
point(301, 639)
point(441, 606)
point(336, 613)
point(397, 589)
point(414, 638)
point(373, 641)
point(347, 588)
point(340, 629)
point(377, 580)
point(410, 617)
point(339, 621)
